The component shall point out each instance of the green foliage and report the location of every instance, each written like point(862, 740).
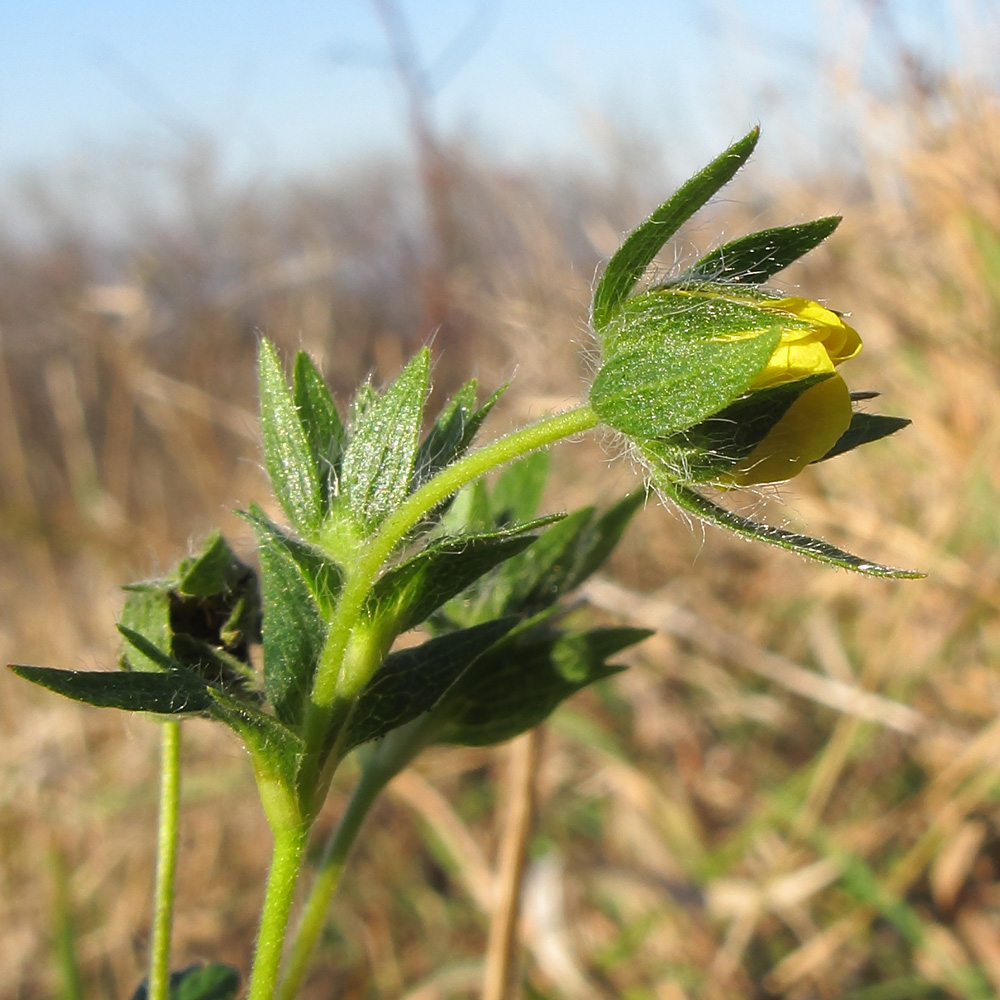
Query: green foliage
point(294, 631)
point(200, 982)
point(812, 548)
point(389, 532)
point(519, 682)
point(412, 681)
point(290, 461)
point(636, 253)
point(672, 360)
point(381, 457)
point(324, 433)
point(865, 428)
point(700, 453)
point(758, 256)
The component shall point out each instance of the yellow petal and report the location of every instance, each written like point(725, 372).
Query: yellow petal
point(840, 339)
point(810, 427)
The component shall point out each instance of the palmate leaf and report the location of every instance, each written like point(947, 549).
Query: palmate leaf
point(813, 548)
point(378, 465)
point(288, 456)
point(673, 359)
point(411, 681)
point(753, 259)
point(629, 264)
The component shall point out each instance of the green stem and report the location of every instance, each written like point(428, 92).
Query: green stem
point(372, 781)
point(166, 861)
point(286, 862)
point(331, 686)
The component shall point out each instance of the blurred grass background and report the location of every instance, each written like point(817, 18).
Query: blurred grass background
point(794, 790)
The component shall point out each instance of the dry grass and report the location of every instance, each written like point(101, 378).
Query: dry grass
point(794, 792)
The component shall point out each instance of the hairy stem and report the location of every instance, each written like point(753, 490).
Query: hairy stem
point(327, 878)
point(166, 861)
point(286, 862)
point(331, 685)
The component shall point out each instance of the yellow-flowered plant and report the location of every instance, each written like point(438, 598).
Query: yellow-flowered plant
point(716, 381)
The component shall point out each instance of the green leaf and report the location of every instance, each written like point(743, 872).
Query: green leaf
point(453, 431)
point(600, 539)
point(676, 359)
point(864, 428)
point(755, 258)
point(523, 678)
point(379, 462)
point(323, 430)
point(294, 631)
point(199, 982)
point(274, 748)
point(562, 558)
point(176, 692)
point(629, 264)
point(411, 681)
point(517, 492)
point(813, 548)
point(287, 452)
point(322, 575)
point(409, 593)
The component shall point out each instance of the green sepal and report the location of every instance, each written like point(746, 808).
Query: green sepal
point(636, 253)
point(155, 655)
point(453, 431)
point(321, 423)
point(294, 631)
point(674, 359)
point(812, 548)
point(709, 449)
point(288, 456)
point(754, 258)
point(865, 428)
point(214, 570)
point(147, 613)
point(199, 982)
point(378, 465)
point(411, 681)
point(174, 692)
point(322, 575)
point(409, 593)
point(519, 682)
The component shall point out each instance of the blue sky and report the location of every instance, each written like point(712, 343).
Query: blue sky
point(302, 85)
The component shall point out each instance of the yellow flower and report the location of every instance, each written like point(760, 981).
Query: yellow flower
point(814, 423)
